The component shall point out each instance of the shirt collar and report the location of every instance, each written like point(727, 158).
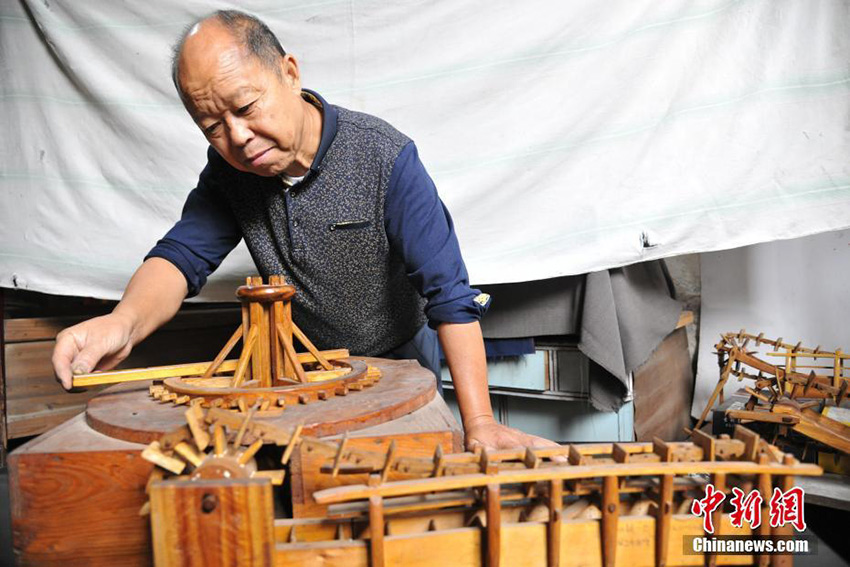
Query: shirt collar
point(329, 125)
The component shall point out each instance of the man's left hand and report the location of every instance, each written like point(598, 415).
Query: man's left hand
point(490, 434)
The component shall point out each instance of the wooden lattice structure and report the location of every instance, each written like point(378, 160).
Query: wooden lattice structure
point(597, 504)
point(791, 386)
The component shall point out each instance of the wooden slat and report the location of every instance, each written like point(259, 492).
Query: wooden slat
point(402, 488)
point(212, 523)
point(494, 525)
point(553, 534)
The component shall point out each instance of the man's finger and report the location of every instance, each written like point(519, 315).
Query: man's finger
point(87, 358)
point(63, 355)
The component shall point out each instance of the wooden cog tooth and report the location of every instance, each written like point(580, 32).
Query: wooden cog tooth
point(275, 476)
point(187, 452)
point(249, 453)
point(153, 453)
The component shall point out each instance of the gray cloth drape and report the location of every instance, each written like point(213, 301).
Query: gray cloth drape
point(618, 316)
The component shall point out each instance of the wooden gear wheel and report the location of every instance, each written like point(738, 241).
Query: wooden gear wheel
point(269, 372)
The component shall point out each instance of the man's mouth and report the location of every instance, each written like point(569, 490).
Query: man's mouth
point(257, 158)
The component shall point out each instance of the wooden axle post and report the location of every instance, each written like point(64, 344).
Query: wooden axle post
point(494, 525)
point(556, 504)
point(610, 519)
point(376, 529)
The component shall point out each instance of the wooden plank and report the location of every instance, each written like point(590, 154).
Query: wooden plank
point(3, 433)
point(212, 523)
point(663, 391)
point(523, 544)
point(79, 508)
point(46, 328)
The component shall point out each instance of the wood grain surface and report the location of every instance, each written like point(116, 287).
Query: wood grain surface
point(212, 523)
point(127, 412)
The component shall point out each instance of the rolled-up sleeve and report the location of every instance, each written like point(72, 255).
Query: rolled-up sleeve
point(420, 229)
point(206, 232)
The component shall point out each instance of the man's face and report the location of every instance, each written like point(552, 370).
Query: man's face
point(251, 115)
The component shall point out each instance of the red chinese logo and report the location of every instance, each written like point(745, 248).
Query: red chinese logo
point(746, 508)
point(787, 507)
point(705, 506)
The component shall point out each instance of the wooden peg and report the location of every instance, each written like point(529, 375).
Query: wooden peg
point(339, 453)
point(219, 441)
point(243, 427)
point(486, 465)
point(388, 463)
point(249, 453)
point(294, 440)
point(439, 463)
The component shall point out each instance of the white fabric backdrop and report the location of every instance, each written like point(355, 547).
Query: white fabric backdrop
point(565, 137)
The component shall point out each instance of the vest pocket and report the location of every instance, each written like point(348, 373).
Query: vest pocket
point(349, 225)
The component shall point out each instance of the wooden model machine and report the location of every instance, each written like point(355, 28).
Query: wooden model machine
point(794, 400)
point(277, 457)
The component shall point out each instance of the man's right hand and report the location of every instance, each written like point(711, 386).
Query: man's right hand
point(152, 297)
point(97, 344)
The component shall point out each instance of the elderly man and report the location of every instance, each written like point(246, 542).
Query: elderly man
point(335, 200)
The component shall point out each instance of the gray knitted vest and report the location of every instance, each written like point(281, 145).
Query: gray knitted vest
point(327, 238)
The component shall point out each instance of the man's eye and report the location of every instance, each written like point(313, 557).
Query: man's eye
point(245, 109)
point(210, 130)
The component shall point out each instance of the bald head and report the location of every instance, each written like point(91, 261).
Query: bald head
point(223, 31)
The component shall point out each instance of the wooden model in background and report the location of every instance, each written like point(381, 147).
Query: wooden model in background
point(793, 396)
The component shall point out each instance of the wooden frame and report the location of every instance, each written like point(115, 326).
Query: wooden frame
point(484, 505)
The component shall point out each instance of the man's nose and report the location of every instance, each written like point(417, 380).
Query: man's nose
point(240, 132)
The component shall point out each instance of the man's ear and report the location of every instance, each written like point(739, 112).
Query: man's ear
point(290, 72)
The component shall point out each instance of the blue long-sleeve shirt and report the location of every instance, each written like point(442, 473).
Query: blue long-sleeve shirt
point(417, 225)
